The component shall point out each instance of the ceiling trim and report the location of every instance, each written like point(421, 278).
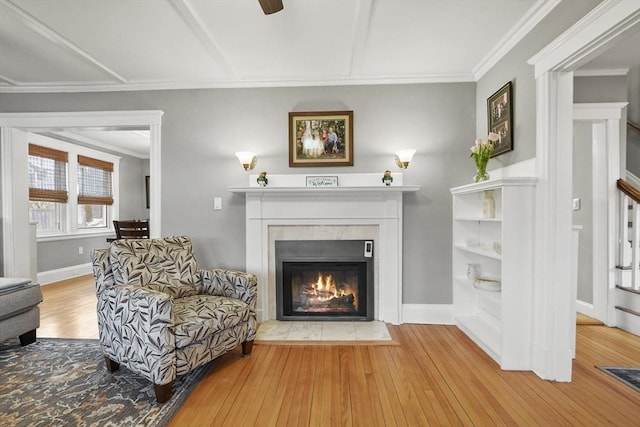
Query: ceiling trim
point(600, 27)
point(360, 36)
point(137, 86)
point(517, 32)
point(8, 80)
point(195, 24)
point(612, 72)
point(57, 38)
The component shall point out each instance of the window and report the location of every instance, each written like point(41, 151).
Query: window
point(71, 188)
point(47, 188)
point(94, 192)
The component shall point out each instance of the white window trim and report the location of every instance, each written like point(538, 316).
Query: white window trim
point(72, 173)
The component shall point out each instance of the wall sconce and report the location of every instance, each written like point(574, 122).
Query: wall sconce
point(247, 159)
point(403, 157)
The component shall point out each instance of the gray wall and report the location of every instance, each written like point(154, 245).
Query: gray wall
point(633, 114)
point(514, 68)
point(583, 189)
point(202, 129)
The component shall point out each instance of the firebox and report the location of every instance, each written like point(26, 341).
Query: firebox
point(324, 279)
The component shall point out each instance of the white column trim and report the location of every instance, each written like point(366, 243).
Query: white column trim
point(554, 127)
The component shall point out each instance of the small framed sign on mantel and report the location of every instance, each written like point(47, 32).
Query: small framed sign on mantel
point(322, 181)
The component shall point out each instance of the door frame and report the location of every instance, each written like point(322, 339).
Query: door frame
point(15, 218)
point(553, 298)
point(608, 148)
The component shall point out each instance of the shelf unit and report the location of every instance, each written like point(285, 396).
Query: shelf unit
point(502, 247)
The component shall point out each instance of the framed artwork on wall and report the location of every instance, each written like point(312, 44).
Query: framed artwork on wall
point(500, 118)
point(321, 138)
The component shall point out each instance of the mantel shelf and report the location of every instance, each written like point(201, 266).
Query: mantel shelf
point(309, 190)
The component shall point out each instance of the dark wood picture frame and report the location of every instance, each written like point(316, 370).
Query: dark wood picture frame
point(323, 138)
point(500, 118)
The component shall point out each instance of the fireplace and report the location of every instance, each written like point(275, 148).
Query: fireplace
point(324, 279)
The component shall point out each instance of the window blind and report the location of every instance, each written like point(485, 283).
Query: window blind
point(94, 181)
point(47, 174)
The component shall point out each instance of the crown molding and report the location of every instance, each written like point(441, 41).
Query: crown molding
point(599, 28)
point(534, 15)
point(243, 84)
point(58, 39)
point(601, 73)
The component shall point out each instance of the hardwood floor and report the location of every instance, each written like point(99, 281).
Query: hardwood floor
point(437, 376)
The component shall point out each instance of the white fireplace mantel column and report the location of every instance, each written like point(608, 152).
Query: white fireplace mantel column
point(368, 204)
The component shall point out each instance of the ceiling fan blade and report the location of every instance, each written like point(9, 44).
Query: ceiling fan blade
point(271, 6)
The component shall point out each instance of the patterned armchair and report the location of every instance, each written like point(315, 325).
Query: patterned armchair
point(161, 316)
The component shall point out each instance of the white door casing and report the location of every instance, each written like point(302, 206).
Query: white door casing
point(554, 66)
point(15, 215)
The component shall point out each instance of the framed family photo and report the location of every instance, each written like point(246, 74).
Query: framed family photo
point(500, 118)
point(321, 138)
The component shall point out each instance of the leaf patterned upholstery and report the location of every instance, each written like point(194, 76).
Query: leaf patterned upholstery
point(160, 316)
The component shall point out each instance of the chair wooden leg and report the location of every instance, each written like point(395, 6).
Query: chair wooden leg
point(163, 392)
point(28, 337)
point(111, 365)
point(247, 346)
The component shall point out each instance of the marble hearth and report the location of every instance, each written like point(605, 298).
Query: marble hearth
point(360, 208)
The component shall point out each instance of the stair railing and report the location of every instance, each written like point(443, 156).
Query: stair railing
point(629, 235)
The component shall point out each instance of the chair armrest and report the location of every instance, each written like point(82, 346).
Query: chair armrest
point(232, 284)
point(135, 326)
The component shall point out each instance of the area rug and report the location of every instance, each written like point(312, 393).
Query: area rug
point(629, 376)
point(56, 382)
point(276, 332)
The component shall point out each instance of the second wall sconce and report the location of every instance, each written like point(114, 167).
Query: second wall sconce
point(248, 159)
point(403, 157)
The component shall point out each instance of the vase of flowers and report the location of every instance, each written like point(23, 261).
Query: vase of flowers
point(481, 152)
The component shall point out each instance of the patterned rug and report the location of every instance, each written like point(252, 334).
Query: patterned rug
point(56, 382)
point(629, 376)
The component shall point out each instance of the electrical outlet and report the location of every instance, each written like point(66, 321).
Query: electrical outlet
point(217, 203)
point(80, 250)
point(576, 204)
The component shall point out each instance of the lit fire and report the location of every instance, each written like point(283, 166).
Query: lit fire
point(326, 295)
point(325, 288)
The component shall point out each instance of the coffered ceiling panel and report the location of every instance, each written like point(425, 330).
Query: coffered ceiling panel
point(437, 38)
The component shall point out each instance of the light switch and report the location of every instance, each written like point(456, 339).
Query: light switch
point(576, 204)
point(217, 203)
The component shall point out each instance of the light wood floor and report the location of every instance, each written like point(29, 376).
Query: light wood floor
point(437, 376)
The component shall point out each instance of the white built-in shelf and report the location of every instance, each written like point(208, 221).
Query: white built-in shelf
point(479, 251)
point(499, 322)
point(477, 219)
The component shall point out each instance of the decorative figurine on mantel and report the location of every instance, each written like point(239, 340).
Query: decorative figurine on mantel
point(262, 179)
point(387, 179)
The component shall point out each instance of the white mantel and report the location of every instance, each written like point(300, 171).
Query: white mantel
point(360, 208)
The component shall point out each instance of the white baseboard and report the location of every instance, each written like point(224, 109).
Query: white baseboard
point(584, 308)
point(47, 277)
point(432, 314)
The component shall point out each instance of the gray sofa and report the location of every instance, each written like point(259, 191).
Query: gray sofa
point(19, 312)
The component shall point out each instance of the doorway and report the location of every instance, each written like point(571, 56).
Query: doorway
point(16, 251)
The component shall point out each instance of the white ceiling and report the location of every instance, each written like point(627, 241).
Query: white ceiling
point(106, 45)
point(80, 45)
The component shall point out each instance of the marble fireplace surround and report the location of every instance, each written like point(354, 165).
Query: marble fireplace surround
point(360, 208)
